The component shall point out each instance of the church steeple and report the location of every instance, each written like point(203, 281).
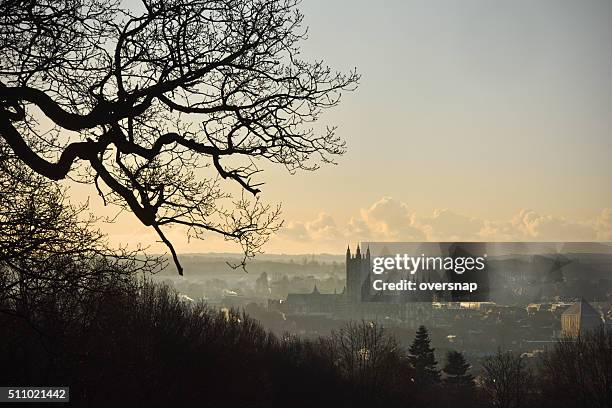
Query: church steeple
point(348, 252)
point(368, 253)
point(358, 253)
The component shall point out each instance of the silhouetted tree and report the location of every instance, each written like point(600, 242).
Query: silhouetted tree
point(507, 380)
point(578, 372)
point(423, 359)
point(359, 347)
point(47, 245)
point(456, 370)
point(459, 390)
point(370, 359)
point(156, 106)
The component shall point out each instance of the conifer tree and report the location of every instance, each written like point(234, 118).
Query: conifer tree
point(423, 359)
point(456, 370)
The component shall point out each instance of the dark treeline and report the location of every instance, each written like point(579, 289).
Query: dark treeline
point(138, 343)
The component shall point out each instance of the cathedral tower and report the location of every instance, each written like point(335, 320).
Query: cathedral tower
point(357, 270)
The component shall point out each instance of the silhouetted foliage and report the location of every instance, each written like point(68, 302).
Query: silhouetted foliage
point(156, 105)
point(48, 245)
point(456, 370)
point(423, 359)
point(578, 372)
point(459, 387)
point(370, 359)
point(507, 381)
point(141, 345)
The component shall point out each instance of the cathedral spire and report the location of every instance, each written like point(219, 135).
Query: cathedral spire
point(358, 253)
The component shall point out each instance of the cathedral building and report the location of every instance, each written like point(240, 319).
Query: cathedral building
point(357, 269)
point(355, 300)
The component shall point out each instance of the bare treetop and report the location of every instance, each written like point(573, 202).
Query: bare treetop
point(150, 105)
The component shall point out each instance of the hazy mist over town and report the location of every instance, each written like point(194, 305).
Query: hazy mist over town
point(529, 293)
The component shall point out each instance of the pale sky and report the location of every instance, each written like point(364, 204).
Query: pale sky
point(474, 119)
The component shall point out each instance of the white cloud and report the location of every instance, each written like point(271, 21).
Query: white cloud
point(446, 225)
point(529, 225)
point(391, 220)
point(321, 228)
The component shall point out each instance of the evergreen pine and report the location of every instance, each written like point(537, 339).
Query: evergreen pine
point(423, 359)
point(456, 370)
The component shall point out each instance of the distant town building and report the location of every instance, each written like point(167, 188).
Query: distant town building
point(314, 302)
point(580, 318)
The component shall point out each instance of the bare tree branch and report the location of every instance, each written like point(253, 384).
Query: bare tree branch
point(152, 104)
